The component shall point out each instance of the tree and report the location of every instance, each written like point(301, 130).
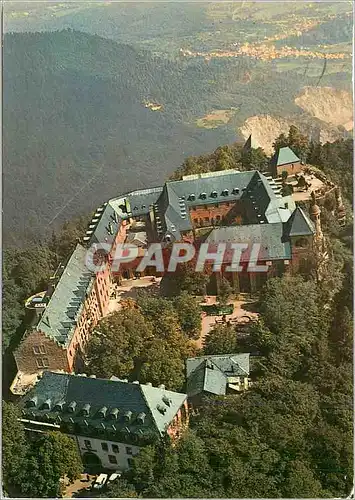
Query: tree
point(301, 183)
point(186, 279)
point(14, 445)
point(163, 364)
point(189, 313)
point(224, 291)
point(295, 140)
point(222, 339)
point(300, 481)
point(163, 471)
point(115, 347)
point(160, 313)
point(64, 241)
point(290, 310)
point(32, 269)
point(143, 343)
point(280, 142)
point(120, 489)
point(52, 457)
point(298, 142)
point(286, 189)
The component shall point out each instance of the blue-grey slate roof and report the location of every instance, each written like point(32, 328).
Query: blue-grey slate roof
point(107, 227)
point(60, 316)
point(269, 236)
point(300, 224)
point(284, 156)
point(99, 393)
point(210, 373)
point(142, 200)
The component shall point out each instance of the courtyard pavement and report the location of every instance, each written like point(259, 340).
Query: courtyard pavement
point(244, 312)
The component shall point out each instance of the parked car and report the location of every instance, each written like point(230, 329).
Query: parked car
point(100, 481)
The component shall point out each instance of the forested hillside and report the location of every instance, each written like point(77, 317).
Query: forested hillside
point(77, 130)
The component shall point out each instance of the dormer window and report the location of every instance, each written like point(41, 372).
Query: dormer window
point(47, 404)
point(161, 409)
point(141, 418)
point(192, 197)
point(128, 416)
point(72, 407)
point(102, 412)
point(225, 192)
point(166, 400)
point(32, 402)
point(214, 194)
point(235, 191)
point(86, 410)
point(114, 413)
point(203, 196)
point(59, 406)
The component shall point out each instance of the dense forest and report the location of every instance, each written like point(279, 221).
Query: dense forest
point(290, 436)
point(78, 132)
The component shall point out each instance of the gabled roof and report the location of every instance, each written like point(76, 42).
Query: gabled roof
point(299, 224)
point(103, 393)
point(59, 318)
point(284, 156)
point(210, 373)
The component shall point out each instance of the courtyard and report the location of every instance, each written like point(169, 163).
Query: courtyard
point(243, 313)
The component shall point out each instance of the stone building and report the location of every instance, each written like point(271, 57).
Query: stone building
point(76, 299)
point(216, 207)
point(285, 160)
point(110, 420)
point(216, 375)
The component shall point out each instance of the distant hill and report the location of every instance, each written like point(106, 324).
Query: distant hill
point(77, 129)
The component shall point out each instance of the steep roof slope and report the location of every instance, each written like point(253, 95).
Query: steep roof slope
point(59, 318)
point(158, 405)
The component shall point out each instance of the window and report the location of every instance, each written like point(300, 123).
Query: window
point(42, 362)
point(112, 459)
point(207, 219)
point(205, 207)
point(87, 443)
point(301, 243)
point(115, 448)
point(104, 446)
point(218, 218)
point(42, 349)
point(216, 205)
point(130, 461)
point(196, 222)
point(36, 349)
point(128, 450)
